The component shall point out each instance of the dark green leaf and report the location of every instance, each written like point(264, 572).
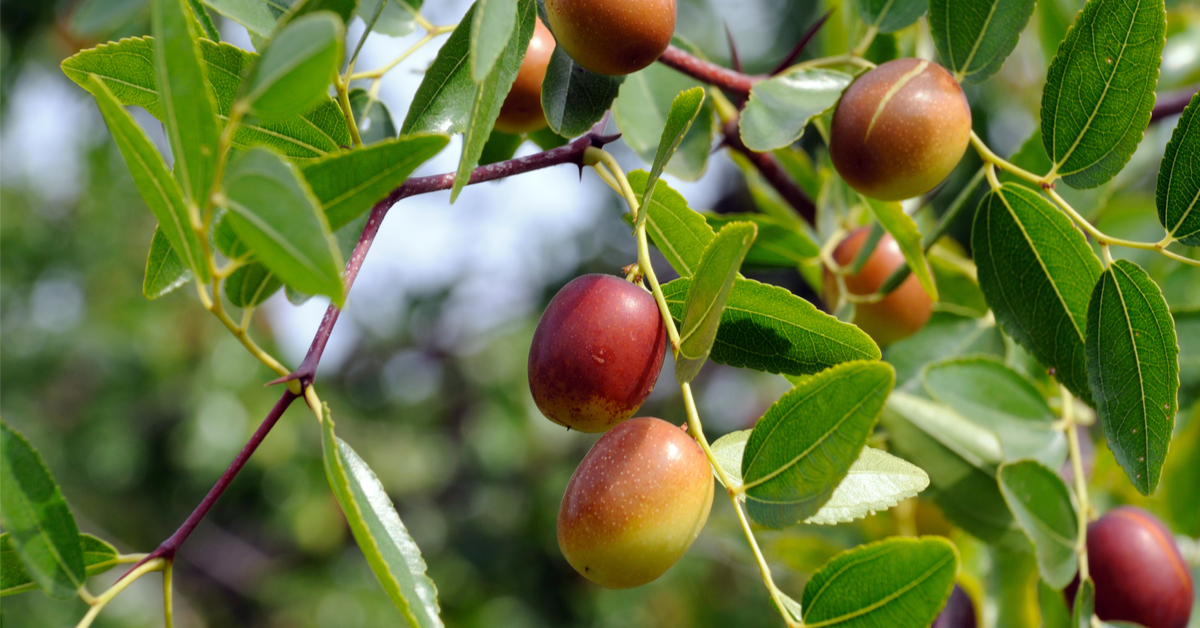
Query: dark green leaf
point(684, 109)
point(1037, 272)
point(780, 107)
point(500, 146)
point(255, 15)
point(767, 328)
point(1045, 509)
point(382, 537)
point(250, 285)
point(443, 102)
point(41, 527)
point(778, 244)
point(986, 392)
point(294, 72)
point(945, 336)
point(1178, 193)
point(98, 557)
point(680, 234)
point(904, 231)
point(804, 445)
point(495, 21)
point(374, 121)
point(1100, 89)
point(1085, 605)
point(890, 15)
point(575, 98)
point(396, 19)
point(164, 270)
point(344, 9)
point(1133, 370)
point(974, 37)
point(158, 187)
point(894, 582)
point(348, 183)
point(706, 297)
point(275, 213)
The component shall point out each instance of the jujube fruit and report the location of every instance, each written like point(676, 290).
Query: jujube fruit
point(596, 353)
point(959, 611)
point(1137, 569)
point(522, 108)
point(900, 129)
point(898, 315)
point(614, 37)
point(635, 504)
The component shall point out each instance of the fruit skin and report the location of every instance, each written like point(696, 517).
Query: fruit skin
point(614, 37)
point(635, 503)
point(1138, 571)
point(906, 147)
point(898, 315)
point(959, 611)
point(522, 108)
point(596, 353)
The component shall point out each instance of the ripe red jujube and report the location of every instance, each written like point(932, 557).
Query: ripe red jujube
point(614, 37)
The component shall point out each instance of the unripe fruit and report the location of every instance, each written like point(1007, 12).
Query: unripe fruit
point(596, 353)
point(635, 504)
point(900, 129)
point(1138, 571)
point(614, 37)
point(522, 108)
point(898, 315)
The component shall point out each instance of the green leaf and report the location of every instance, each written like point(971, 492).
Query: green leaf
point(781, 106)
point(495, 21)
point(1032, 157)
point(1100, 89)
point(778, 244)
point(158, 187)
point(902, 228)
point(164, 270)
point(1133, 370)
point(945, 336)
point(500, 146)
point(348, 183)
point(41, 527)
point(767, 328)
point(228, 241)
point(1085, 605)
point(890, 15)
point(397, 19)
point(1053, 607)
point(988, 393)
point(876, 481)
point(250, 285)
point(255, 15)
point(272, 209)
point(382, 537)
point(1178, 191)
point(706, 297)
point(573, 97)
point(547, 139)
point(97, 18)
point(804, 445)
point(974, 37)
point(207, 28)
point(189, 111)
point(894, 582)
point(727, 451)
point(684, 109)
point(1187, 330)
point(680, 234)
point(974, 443)
point(958, 291)
point(490, 94)
point(127, 69)
point(1045, 510)
point(443, 102)
point(98, 557)
point(374, 120)
point(1037, 272)
point(344, 9)
point(295, 71)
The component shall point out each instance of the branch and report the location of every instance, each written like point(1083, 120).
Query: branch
point(1173, 104)
point(774, 173)
point(735, 82)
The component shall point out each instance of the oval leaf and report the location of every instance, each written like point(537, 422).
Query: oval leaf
point(396, 19)
point(374, 120)
point(164, 270)
point(706, 297)
point(294, 72)
point(255, 15)
point(1133, 370)
point(894, 582)
point(1037, 272)
point(767, 328)
point(684, 109)
point(779, 243)
point(573, 97)
point(1178, 192)
point(98, 557)
point(1045, 510)
point(974, 37)
point(890, 15)
point(904, 230)
point(727, 451)
point(804, 445)
point(780, 107)
point(382, 537)
point(1100, 89)
point(494, 23)
point(41, 526)
point(973, 443)
point(876, 481)
point(946, 335)
point(250, 285)
point(442, 103)
point(275, 214)
point(680, 234)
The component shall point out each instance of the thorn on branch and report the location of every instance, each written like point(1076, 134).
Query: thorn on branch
point(802, 44)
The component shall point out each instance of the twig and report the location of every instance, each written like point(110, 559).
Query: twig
point(774, 174)
point(1173, 104)
point(736, 82)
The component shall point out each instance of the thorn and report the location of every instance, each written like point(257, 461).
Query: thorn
point(733, 53)
point(283, 380)
point(808, 35)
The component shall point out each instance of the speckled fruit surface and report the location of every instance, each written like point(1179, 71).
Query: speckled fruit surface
point(596, 353)
point(899, 129)
point(635, 504)
point(614, 37)
point(898, 315)
point(522, 108)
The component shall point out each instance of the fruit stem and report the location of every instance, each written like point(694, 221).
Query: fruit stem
point(763, 567)
point(168, 610)
point(1069, 425)
point(99, 602)
point(697, 432)
point(990, 157)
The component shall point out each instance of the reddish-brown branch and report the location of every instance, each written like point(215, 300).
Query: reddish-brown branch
point(735, 82)
point(770, 168)
point(1173, 104)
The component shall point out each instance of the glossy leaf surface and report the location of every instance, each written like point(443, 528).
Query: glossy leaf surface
point(164, 270)
point(781, 106)
point(684, 109)
point(490, 33)
point(974, 37)
point(575, 98)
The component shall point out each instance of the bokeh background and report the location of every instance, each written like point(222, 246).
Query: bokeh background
point(138, 406)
